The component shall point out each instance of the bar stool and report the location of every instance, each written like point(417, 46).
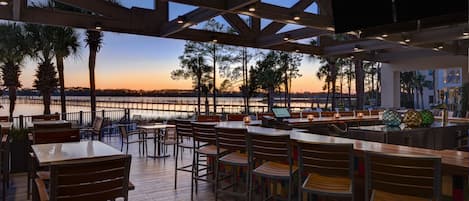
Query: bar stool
point(204, 146)
point(234, 141)
point(330, 169)
point(183, 134)
point(274, 155)
point(402, 177)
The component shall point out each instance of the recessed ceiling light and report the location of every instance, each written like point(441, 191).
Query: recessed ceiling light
point(98, 26)
point(384, 35)
point(440, 47)
point(357, 48)
point(296, 18)
point(252, 9)
point(3, 3)
point(436, 49)
point(465, 33)
point(297, 50)
point(286, 37)
point(215, 40)
point(407, 40)
point(181, 19)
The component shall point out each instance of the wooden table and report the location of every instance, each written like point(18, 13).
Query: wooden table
point(49, 154)
point(157, 138)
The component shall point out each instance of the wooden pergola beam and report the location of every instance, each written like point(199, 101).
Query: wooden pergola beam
point(237, 23)
point(102, 7)
point(298, 34)
point(298, 48)
point(274, 27)
point(194, 17)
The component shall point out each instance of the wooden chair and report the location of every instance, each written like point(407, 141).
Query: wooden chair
point(101, 179)
point(204, 146)
point(43, 136)
point(95, 130)
point(346, 114)
point(64, 125)
point(48, 117)
point(4, 118)
point(126, 138)
point(327, 114)
point(183, 134)
point(208, 118)
point(329, 169)
point(274, 155)
point(235, 117)
point(234, 142)
point(402, 177)
point(5, 164)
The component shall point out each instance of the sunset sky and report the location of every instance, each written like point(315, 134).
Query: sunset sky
point(140, 62)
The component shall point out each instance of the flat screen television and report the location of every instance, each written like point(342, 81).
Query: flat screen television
point(281, 113)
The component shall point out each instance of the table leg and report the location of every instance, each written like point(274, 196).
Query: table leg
point(156, 142)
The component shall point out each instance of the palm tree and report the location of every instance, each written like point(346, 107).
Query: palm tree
point(65, 44)
point(194, 67)
point(41, 39)
point(94, 40)
point(419, 82)
point(12, 54)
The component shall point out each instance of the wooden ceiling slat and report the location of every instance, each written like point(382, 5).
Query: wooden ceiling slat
point(237, 23)
point(194, 17)
point(98, 6)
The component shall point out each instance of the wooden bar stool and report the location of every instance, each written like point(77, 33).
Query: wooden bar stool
point(204, 146)
point(274, 155)
point(183, 135)
point(329, 169)
point(235, 142)
point(402, 177)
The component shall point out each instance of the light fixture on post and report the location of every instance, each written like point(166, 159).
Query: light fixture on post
point(286, 37)
point(3, 3)
point(181, 19)
point(357, 48)
point(98, 26)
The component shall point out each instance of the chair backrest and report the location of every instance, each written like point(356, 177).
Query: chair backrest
point(326, 159)
point(327, 114)
point(232, 139)
point(102, 179)
point(43, 136)
point(204, 133)
point(123, 131)
point(63, 125)
point(236, 117)
point(4, 118)
point(208, 118)
point(98, 123)
point(269, 148)
point(418, 176)
point(184, 128)
point(48, 117)
point(346, 114)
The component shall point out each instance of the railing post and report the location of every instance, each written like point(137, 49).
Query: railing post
point(81, 118)
point(21, 121)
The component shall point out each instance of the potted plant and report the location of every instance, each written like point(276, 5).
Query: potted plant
point(19, 147)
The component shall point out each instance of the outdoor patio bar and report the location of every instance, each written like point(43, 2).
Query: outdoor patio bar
point(401, 133)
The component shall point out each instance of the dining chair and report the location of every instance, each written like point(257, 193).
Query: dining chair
point(205, 154)
point(95, 130)
point(128, 137)
point(208, 118)
point(235, 117)
point(329, 169)
point(5, 164)
point(396, 177)
point(184, 139)
point(274, 155)
point(100, 179)
point(234, 142)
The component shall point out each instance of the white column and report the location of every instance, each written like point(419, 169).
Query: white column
point(390, 87)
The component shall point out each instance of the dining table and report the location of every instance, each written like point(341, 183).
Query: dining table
point(53, 153)
point(157, 129)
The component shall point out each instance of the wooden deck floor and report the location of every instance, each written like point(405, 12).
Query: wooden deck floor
point(153, 179)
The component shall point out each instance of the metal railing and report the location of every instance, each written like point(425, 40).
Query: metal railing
point(81, 118)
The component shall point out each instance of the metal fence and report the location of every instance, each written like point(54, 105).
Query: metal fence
point(82, 118)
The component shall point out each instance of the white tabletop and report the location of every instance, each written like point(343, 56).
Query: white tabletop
point(51, 122)
point(156, 126)
point(47, 154)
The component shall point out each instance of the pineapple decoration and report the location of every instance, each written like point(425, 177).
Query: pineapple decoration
point(412, 118)
point(391, 118)
point(427, 117)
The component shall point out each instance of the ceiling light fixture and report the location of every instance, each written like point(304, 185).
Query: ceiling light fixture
point(252, 9)
point(286, 37)
point(407, 40)
point(384, 35)
point(297, 50)
point(296, 18)
point(214, 39)
point(98, 26)
point(465, 32)
point(181, 19)
point(3, 3)
point(357, 48)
